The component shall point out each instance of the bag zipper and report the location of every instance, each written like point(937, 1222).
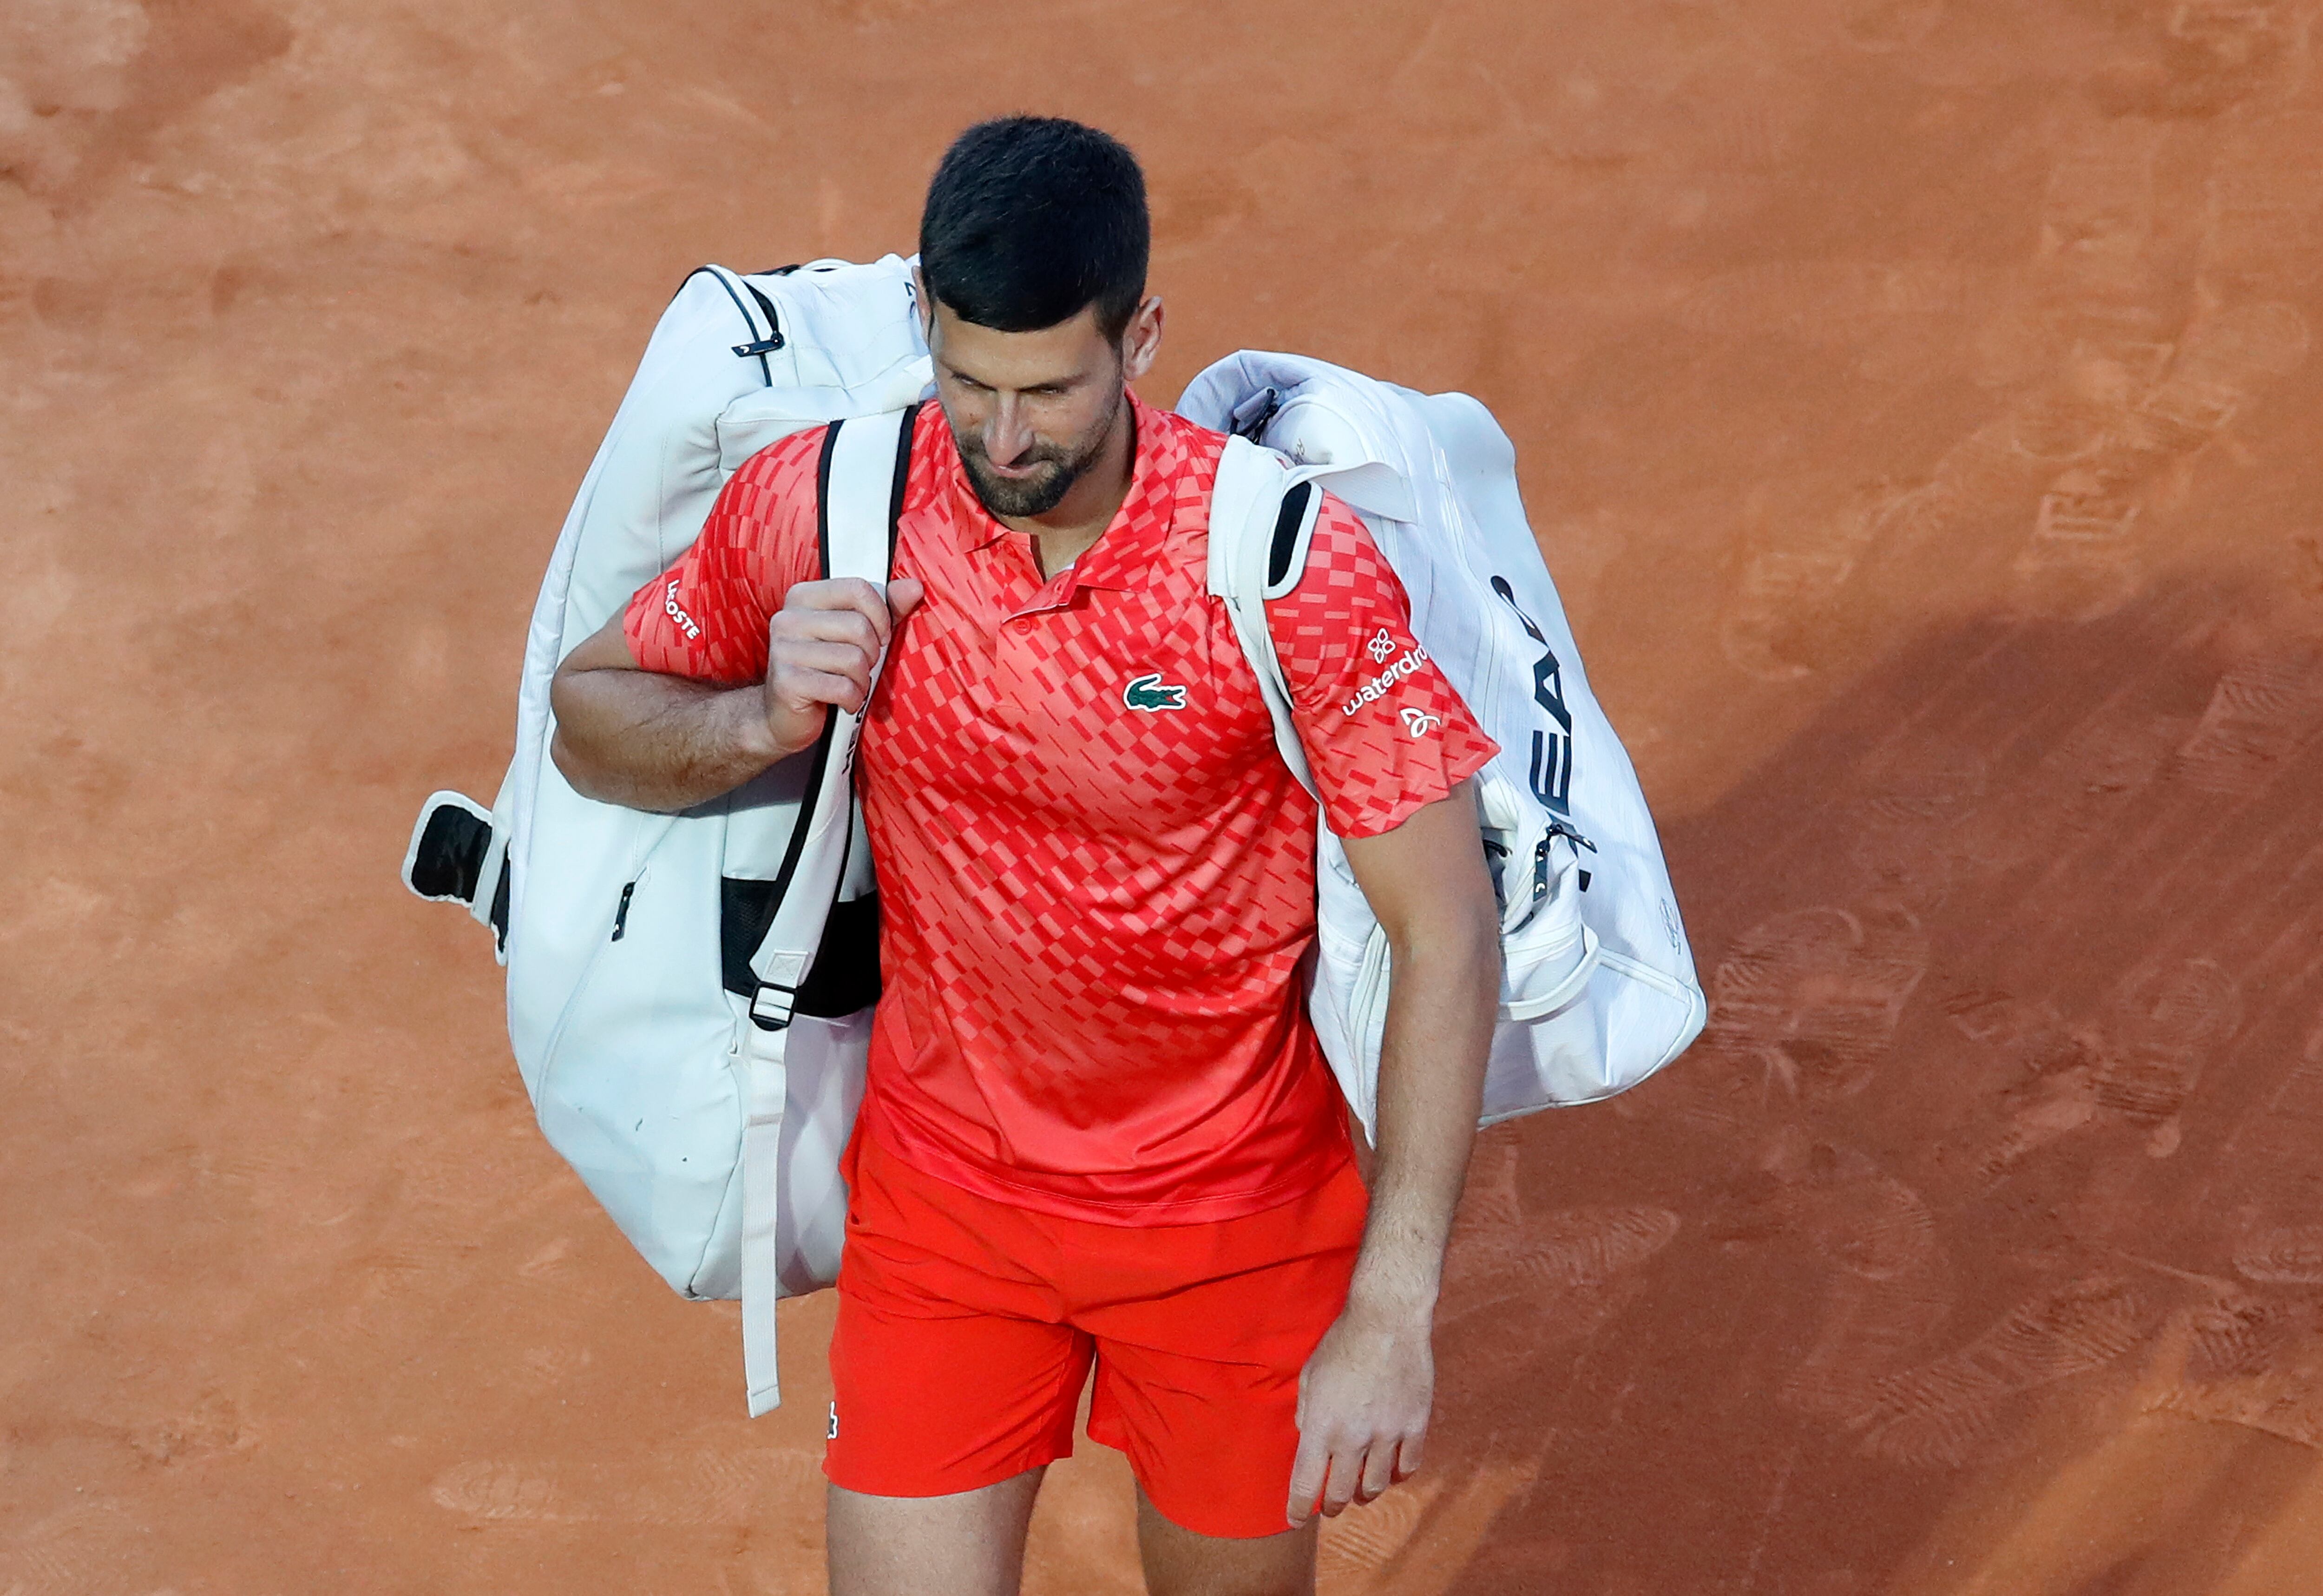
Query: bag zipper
point(640, 871)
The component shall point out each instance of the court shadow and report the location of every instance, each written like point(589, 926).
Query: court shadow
point(2001, 1145)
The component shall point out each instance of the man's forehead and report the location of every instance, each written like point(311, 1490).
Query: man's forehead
point(1070, 349)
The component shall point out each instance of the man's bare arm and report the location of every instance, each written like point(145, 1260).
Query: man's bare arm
point(1365, 1395)
point(1427, 882)
point(629, 736)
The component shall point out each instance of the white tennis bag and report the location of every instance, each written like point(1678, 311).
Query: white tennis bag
point(685, 1049)
point(1599, 988)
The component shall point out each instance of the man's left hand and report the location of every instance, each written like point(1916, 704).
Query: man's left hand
point(1363, 1403)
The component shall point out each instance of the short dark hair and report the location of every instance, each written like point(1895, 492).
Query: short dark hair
point(1030, 218)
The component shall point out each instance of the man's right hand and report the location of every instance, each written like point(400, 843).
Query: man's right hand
point(628, 735)
point(822, 646)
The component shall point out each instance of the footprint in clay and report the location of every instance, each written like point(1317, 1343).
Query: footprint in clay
point(2173, 1019)
point(1556, 1263)
point(2283, 1255)
point(1942, 1411)
point(2263, 713)
point(679, 1490)
point(2247, 1361)
point(2051, 1072)
point(1807, 1003)
point(1886, 1286)
point(92, 1548)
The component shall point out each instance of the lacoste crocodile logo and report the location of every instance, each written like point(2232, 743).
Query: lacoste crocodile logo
point(1150, 694)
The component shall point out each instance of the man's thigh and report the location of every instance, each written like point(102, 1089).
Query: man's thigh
point(971, 1542)
point(1180, 1563)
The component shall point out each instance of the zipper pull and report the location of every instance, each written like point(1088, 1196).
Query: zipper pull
point(774, 338)
point(1541, 861)
point(622, 915)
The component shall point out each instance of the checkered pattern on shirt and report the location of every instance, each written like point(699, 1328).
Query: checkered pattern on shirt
point(1092, 913)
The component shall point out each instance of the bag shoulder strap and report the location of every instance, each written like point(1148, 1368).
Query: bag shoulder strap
point(859, 497)
point(860, 483)
point(1263, 512)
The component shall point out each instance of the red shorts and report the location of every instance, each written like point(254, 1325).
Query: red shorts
point(967, 1327)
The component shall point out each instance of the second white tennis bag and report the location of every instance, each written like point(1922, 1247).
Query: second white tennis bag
point(1599, 988)
point(685, 1048)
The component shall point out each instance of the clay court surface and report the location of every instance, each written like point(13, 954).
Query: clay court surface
point(1917, 405)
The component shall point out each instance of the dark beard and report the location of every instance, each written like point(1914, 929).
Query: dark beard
point(1036, 495)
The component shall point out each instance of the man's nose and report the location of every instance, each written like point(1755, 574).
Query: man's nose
point(1006, 436)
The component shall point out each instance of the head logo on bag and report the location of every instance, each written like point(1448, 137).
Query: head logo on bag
point(1150, 692)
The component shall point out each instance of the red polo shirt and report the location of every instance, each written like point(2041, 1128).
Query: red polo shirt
point(1096, 872)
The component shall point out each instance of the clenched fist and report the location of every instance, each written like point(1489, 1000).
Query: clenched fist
point(823, 647)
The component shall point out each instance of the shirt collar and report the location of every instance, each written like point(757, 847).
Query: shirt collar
point(1123, 557)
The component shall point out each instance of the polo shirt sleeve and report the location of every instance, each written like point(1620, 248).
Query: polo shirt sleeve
point(706, 617)
point(1384, 732)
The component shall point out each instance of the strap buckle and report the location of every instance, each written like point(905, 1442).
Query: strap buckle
point(771, 1006)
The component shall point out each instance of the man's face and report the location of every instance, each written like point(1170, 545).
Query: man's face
point(1031, 411)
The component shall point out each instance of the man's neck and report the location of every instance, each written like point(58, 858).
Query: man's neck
point(1071, 529)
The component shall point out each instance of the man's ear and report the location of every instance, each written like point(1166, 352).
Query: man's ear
point(927, 307)
point(1141, 340)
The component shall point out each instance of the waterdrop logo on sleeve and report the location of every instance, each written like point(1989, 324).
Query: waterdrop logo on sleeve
point(1379, 647)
